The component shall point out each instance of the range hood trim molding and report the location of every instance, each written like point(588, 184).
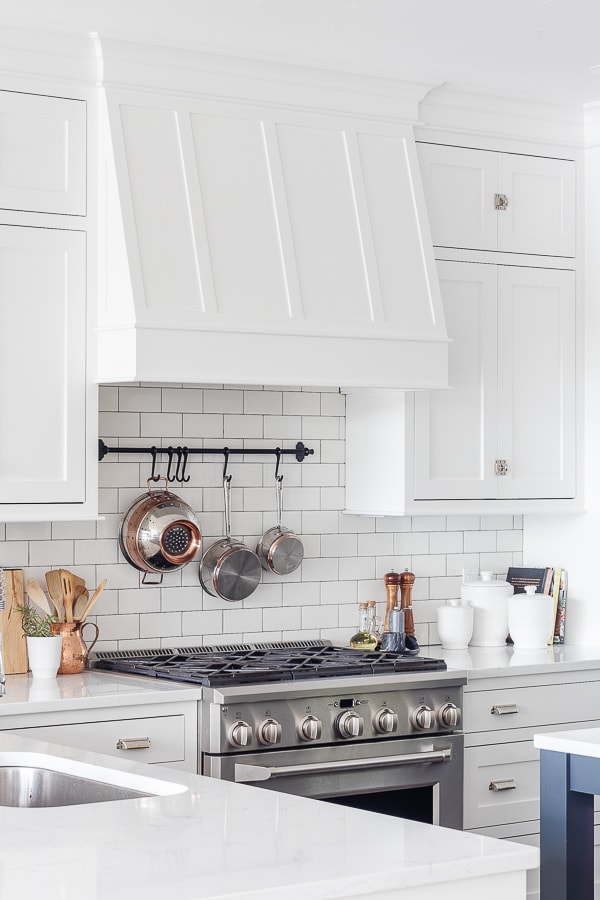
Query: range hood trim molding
point(139, 65)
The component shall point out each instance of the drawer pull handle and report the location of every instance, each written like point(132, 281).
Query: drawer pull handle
point(508, 784)
point(133, 743)
point(504, 709)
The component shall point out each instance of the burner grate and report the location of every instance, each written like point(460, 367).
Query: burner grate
point(257, 664)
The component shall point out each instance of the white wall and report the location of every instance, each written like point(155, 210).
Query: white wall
point(346, 556)
point(573, 541)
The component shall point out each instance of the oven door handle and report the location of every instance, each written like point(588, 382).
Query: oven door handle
point(245, 772)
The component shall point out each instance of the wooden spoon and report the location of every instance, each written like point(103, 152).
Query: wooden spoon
point(54, 586)
point(82, 597)
point(95, 596)
point(36, 594)
point(68, 591)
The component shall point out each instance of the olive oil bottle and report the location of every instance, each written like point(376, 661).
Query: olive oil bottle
point(365, 638)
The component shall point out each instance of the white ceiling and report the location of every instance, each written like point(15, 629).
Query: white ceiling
point(537, 48)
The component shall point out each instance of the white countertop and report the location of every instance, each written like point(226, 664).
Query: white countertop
point(222, 840)
point(580, 741)
point(485, 662)
point(92, 689)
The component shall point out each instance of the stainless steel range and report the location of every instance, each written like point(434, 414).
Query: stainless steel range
point(374, 730)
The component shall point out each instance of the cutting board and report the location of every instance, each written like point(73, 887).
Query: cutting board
point(14, 645)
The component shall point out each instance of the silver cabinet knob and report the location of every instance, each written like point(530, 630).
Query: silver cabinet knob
point(309, 728)
point(349, 724)
point(269, 732)
point(385, 721)
point(240, 734)
point(423, 718)
point(449, 715)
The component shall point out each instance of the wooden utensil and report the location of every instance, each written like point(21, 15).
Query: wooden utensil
point(82, 597)
point(68, 591)
point(14, 645)
point(36, 595)
point(95, 596)
point(53, 583)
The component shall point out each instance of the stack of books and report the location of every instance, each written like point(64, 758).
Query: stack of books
point(547, 580)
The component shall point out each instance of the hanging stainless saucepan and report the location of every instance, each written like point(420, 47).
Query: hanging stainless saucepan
point(279, 549)
point(159, 532)
point(229, 569)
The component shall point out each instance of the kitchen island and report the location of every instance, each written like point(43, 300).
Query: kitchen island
point(214, 839)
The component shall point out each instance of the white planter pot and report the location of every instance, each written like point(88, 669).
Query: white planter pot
point(44, 655)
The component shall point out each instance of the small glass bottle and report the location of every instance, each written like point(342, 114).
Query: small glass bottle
point(365, 638)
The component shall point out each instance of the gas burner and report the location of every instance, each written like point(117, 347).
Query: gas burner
point(258, 665)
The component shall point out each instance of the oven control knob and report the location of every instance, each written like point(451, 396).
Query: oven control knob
point(309, 728)
point(449, 715)
point(423, 718)
point(349, 725)
point(269, 732)
point(385, 721)
point(240, 734)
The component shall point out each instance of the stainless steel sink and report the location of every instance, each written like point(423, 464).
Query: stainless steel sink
point(34, 786)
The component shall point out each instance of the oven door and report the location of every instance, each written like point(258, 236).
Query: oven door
point(414, 778)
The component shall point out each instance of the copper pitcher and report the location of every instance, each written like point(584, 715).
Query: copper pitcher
point(74, 653)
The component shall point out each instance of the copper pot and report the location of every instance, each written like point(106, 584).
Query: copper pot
point(159, 533)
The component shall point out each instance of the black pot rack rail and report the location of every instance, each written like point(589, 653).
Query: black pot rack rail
point(177, 457)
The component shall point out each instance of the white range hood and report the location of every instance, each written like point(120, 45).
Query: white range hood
point(263, 224)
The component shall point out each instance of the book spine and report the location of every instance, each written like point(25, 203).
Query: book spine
point(555, 597)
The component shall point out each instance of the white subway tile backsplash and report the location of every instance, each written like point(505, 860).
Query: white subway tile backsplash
point(226, 401)
point(264, 403)
point(301, 403)
point(480, 541)
point(346, 556)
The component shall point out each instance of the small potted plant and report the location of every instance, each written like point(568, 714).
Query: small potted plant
point(43, 647)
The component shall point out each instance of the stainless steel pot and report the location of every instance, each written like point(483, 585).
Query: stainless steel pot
point(159, 533)
point(279, 549)
point(229, 569)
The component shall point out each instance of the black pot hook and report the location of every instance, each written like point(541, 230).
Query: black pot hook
point(170, 452)
point(154, 475)
point(278, 477)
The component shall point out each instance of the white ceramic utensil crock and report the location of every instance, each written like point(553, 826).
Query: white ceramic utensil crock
point(489, 599)
point(455, 625)
point(530, 619)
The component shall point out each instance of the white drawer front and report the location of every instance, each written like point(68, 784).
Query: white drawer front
point(514, 770)
point(166, 735)
point(525, 707)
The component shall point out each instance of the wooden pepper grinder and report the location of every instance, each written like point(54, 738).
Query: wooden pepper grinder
point(391, 581)
point(407, 579)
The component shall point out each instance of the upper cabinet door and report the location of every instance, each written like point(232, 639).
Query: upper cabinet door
point(456, 430)
point(459, 188)
point(536, 382)
point(42, 366)
point(540, 205)
point(43, 154)
point(483, 200)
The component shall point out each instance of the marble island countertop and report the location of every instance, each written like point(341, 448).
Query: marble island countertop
point(220, 840)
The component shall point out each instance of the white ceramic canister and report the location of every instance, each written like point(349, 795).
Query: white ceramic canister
point(531, 619)
point(455, 625)
point(489, 599)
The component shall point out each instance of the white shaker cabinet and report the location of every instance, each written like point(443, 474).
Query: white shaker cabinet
point(47, 403)
point(511, 409)
point(502, 779)
point(501, 438)
point(486, 200)
point(42, 365)
point(43, 158)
